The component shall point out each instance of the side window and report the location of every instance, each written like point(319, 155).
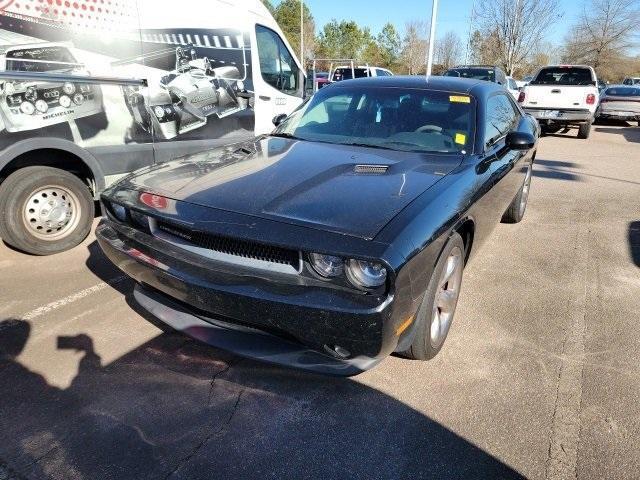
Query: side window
point(277, 65)
point(500, 118)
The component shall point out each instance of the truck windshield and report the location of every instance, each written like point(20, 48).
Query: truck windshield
point(486, 74)
point(563, 76)
point(391, 118)
point(42, 59)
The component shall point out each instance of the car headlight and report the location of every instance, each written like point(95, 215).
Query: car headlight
point(364, 274)
point(119, 212)
point(69, 88)
point(65, 101)
point(159, 111)
point(327, 265)
point(42, 106)
point(78, 99)
point(27, 108)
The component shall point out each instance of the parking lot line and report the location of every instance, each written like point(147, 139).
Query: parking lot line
point(37, 312)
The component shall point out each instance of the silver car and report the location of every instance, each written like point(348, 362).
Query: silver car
point(621, 102)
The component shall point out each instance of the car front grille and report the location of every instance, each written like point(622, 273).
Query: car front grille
point(232, 246)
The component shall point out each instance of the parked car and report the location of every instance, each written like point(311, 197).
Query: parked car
point(513, 88)
point(321, 79)
point(488, 73)
point(631, 81)
point(525, 80)
point(337, 239)
point(620, 102)
point(562, 96)
point(346, 72)
point(86, 98)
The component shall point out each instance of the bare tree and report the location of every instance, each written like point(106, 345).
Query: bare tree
point(415, 45)
point(448, 50)
point(519, 26)
point(604, 33)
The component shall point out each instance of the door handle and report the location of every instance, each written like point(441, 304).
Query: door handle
point(265, 98)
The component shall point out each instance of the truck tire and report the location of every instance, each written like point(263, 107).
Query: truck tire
point(439, 303)
point(584, 130)
point(44, 210)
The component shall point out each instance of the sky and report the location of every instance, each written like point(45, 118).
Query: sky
point(452, 14)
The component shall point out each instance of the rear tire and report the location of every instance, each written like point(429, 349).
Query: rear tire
point(44, 210)
point(438, 306)
point(515, 212)
point(584, 130)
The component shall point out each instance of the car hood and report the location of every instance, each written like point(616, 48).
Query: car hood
point(345, 189)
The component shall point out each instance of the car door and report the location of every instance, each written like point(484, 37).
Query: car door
point(508, 167)
point(280, 84)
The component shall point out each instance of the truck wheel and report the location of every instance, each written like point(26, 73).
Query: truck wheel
point(515, 212)
point(584, 130)
point(44, 210)
point(439, 303)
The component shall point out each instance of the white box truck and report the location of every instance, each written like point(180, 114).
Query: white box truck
point(90, 91)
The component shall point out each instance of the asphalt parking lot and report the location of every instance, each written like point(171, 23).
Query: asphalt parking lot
point(539, 378)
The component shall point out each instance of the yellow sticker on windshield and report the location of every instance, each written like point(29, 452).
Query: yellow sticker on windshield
point(459, 99)
point(460, 138)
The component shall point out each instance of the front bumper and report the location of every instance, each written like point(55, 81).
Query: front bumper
point(270, 316)
point(559, 115)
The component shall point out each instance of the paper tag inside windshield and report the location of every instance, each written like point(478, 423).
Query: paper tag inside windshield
point(461, 138)
point(459, 99)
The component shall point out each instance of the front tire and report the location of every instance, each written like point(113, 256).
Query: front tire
point(584, 130)
point(44, 210)
point(439, 303)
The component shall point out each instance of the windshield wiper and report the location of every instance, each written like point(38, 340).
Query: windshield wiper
point(367, 145)
point(285, 135)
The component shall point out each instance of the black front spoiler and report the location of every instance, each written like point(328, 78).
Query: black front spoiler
point(247, 342)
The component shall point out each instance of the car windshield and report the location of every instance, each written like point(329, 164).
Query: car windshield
point(563, 76)
point(623, 92)
point(392, 118)
point(486, 74)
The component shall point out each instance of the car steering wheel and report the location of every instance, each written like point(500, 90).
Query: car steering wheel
point(430, 128)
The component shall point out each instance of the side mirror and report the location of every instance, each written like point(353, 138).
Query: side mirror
point(278, 119)
point(520, 141)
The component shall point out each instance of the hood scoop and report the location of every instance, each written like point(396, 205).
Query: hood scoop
point(371, 169)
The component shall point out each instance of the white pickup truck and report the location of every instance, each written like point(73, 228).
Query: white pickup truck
point(562, 96)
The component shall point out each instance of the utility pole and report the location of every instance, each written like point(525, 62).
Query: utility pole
point(432, 36)
point(471, 21)
point(302, 33)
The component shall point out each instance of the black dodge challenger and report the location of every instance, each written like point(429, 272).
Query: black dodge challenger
point(338, 239)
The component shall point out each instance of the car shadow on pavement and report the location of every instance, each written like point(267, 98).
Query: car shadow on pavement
point(555, 169)
point(175, 408)
point(634, 242)
point(629, 132)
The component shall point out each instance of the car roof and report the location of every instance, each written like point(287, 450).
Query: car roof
point(450, 84)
